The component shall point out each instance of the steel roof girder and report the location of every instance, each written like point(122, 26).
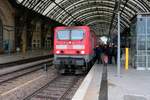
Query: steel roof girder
point(127, 21)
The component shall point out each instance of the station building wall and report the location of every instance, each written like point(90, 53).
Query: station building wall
point(37, 34)
point(36, 40)
point(7, 14)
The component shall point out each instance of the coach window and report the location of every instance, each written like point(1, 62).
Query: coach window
point(77, 34)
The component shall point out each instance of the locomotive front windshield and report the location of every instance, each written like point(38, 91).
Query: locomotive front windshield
point(63, 35)
point(70, 35)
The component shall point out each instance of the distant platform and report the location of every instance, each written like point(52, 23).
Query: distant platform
point(6, 58)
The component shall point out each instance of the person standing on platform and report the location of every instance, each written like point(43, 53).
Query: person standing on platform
point(110, 53)
point(97, 54)
point(115, 53)
point(105, 49)
point(105, 59)
point(100, 53)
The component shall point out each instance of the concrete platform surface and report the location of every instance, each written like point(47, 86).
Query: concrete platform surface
point(4, 58)
point(90, 87)
point(131, 85)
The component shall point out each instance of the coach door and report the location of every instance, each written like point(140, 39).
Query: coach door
point(1, 35)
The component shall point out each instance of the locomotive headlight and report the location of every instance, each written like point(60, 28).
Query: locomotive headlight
point(57, 52)
point(82, 52)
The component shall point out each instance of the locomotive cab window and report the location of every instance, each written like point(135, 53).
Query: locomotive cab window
point(63, 35)
point(77, 34)
point(70, 35)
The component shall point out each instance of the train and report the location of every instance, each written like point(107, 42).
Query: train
point(74, 48)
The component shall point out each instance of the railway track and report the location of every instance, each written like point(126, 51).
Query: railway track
point(18, 80)
point(13, 72)
point(24, 61)
point(60, 88)
point(16, 74)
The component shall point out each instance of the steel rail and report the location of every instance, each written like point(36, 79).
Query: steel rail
point(16, 74)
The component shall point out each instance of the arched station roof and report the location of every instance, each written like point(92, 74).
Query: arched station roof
point(99, 14)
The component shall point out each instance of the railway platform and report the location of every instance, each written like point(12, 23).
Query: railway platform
point(90, 87)
point(132, 84)
point(8, 58)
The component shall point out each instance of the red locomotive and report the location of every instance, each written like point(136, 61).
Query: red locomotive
point(74, 48)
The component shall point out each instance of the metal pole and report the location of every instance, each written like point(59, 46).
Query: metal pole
point(118, 47)
point(9, 43)
point(126, 58)
point(146, 45)
point(45, 67)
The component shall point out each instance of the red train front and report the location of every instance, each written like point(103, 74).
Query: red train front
point(74, 48)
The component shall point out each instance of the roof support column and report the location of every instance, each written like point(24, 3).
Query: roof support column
point(118, 47)
point(118, 44)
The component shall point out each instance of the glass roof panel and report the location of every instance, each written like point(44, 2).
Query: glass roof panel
point(68, 11)
point(19, 1)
